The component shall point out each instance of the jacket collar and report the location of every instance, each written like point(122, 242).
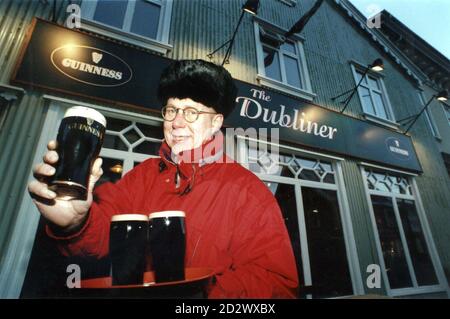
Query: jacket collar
point(188, 163)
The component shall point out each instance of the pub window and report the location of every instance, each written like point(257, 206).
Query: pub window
point(372, 94)
point(281, 62)
point(142, 19)
point(126, 144)
point(429, 117)
point(307, 190)
point(400, 235)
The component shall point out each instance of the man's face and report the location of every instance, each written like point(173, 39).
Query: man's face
point(181, 135)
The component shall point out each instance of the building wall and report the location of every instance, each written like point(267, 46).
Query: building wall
point(332, 39)
point(18, 136)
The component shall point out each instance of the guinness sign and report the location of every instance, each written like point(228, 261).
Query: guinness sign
point(73, 62)
point(91, 65)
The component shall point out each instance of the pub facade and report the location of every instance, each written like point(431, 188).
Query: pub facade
point(367, 206)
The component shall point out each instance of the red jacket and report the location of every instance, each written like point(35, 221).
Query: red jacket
point(233, 222)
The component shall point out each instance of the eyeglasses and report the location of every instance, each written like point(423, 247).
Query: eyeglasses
point(190, 114)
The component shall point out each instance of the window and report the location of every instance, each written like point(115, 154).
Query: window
point(307, 191)
point(429, 117)
point(147, 21)
point(126, 144)
point(401, 239)
point(281, 62)
point(372, 95)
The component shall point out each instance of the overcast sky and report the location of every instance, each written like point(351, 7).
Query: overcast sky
point(429, 19)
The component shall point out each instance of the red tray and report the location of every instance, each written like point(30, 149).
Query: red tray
point(194, 286)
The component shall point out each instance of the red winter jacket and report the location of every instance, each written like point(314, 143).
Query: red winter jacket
point(233, 222)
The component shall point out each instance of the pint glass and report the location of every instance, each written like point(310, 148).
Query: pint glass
point(167, 241)
point(80, 138)
point(127, 248)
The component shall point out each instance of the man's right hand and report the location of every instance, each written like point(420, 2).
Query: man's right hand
point(67, 215)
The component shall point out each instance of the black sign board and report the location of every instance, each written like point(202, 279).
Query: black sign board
point(77, 63)
point(81, 64)
point(316, 127)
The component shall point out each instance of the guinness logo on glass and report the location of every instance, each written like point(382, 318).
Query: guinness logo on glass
point(395, 147)
point(91, 66)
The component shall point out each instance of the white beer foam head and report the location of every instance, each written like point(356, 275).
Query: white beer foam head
point(87, 112)
point(167, 213)
point(129, 217)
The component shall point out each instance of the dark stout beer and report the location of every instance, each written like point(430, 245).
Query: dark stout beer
point(167, 240)
point(127, 248)
point(80, 138)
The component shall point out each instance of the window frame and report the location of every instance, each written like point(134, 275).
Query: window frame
point(415, 196)
point(160, 44)
point(338, 186)
point(305, 91)
point(429, 116)
point(390, 120)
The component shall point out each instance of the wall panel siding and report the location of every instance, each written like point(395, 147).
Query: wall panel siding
point(18, 140)
point(360, 215)
point(23, 124)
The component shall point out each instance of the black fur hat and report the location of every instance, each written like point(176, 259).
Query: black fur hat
point(202, 81)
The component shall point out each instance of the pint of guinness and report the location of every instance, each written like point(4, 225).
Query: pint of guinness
point(80, 139)
point(127, 248)
point(167, 241)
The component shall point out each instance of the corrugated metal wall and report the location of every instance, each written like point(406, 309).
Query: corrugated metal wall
point(200, 26)
point(23, 124)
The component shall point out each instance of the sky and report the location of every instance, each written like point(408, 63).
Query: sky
point(429, 19)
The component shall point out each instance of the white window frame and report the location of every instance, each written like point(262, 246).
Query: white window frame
point(429, 116)
point(18, 252)
point(160, 44)
point(306, 91)
point(344, 208)
point(390, 121)
point(441, 286)
point(128, 157)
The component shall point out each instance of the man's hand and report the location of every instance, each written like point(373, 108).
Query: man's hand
point(62, 213)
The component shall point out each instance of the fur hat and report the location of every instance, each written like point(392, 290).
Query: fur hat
point(203, 82)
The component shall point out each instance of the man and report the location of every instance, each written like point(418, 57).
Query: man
point(233, 222)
